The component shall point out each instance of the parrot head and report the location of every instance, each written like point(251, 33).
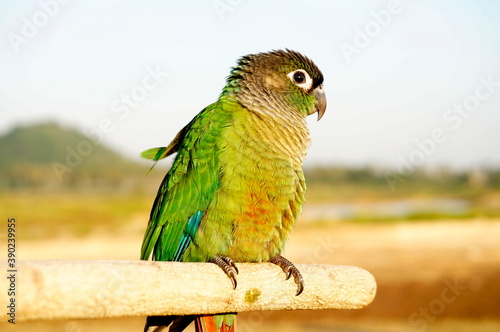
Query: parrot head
point(278, 83)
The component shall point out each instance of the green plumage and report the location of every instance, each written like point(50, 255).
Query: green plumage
point(236, 186)
point(189, 185)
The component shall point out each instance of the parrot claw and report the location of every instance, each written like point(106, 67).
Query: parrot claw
point(290, 270)
point(227, 265)
point(230, 262)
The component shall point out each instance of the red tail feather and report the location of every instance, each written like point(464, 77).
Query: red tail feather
point(215, 323)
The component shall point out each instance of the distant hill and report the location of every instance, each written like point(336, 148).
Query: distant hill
point(49, 155)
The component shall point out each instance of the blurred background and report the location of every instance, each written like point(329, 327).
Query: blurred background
point(403, 171)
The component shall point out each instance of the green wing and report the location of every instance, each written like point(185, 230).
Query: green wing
point(163, 152)
point(189, 185)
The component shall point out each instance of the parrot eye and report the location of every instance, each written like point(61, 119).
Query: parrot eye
point(301, 79)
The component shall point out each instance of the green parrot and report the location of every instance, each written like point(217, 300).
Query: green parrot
point(236, 186)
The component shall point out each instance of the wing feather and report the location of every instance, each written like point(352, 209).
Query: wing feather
point(188, 187)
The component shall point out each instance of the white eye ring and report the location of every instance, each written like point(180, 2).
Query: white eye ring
point(301, 79)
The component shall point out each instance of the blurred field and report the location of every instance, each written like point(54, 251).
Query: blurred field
point(414, 262)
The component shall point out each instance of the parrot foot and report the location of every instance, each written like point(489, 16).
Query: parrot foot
point(227, 265)
point(290, 270)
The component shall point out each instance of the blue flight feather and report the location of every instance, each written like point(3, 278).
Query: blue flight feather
point(187, 235)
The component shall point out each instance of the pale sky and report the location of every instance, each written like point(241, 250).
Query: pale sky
point(407, 82)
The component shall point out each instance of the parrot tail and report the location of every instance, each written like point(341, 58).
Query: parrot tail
point(206, 323)
point(215, 323)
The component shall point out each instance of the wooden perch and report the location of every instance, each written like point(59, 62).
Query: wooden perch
point(97, 289)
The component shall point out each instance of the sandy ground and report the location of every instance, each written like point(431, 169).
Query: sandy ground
point(431, 276)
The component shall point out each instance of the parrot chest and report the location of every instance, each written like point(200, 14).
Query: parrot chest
point(262, 189)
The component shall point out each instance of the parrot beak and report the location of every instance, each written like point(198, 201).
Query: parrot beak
point(320, 96)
